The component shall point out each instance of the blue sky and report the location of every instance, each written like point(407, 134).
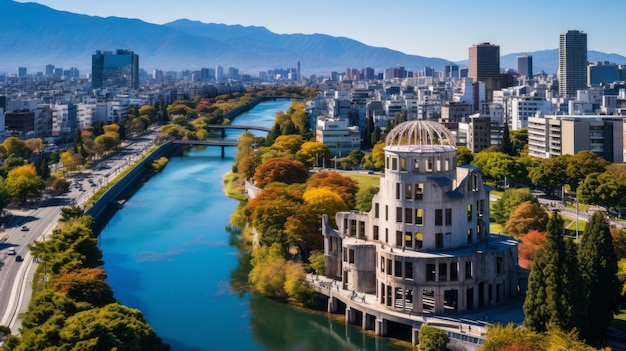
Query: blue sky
point(433, 28)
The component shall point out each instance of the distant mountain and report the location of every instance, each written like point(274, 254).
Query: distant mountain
point(34, 35)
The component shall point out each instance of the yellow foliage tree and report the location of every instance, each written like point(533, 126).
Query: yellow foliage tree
point(23, 181)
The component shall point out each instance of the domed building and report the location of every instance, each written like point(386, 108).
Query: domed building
point(425, 246)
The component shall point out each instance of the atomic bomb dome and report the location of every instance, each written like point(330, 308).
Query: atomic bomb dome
point(413, 135)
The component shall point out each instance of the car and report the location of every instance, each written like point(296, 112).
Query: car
point(18, 258)
point(24, 228)
point(11, 251)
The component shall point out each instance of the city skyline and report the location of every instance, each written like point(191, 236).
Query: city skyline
point(416, 28)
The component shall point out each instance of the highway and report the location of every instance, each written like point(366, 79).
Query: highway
point(41, 218)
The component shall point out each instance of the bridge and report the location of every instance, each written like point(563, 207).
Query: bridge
point(221, 143)
point(223, 128)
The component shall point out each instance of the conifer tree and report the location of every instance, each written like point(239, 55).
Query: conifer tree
point(507, 145)
point(598, 265)
point(553, 295)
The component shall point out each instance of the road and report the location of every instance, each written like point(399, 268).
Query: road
point(16, 277)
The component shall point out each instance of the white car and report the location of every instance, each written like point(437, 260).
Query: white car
point(24, 228)
point(11, 251)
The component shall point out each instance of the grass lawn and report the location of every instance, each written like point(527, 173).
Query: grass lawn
point(365, 180)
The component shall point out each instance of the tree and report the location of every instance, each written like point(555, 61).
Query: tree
point(106, 142)
point(619, 242)
point(508, 202)
point(345, 187)
point(86, 285)
point(353, 160)
point(313, 153)
point(507, 144)
point(17, 147)
point(549, 173)
point(60, 185)
point(554, 285)
point(601, 189)
point(598, 264)
point(531, 243)
point(464, 156)
point(582, 164)
point(280, 170)
point(268, 271)
point(526, 217)
point(71, 160)
point(364, 198)
point(23, 181)
point(289, 144)
point(432, 339)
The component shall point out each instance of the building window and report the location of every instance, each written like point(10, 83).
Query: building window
point(438, 216)
point(429, 165)
point(399, 238)
point(361, 231)
point(448, 216)
point(408, 215)
point(419, 191)
point(386, 235)
point(469, 236)
point(353, 227)
point(382, 264)
point(399, 214)
point(398, 269)
point(468, 270)
point(394, 164)
point(416, 165)
point(376, 210)
point(430, 272)
point(389, 268)
point(375, 232)
point(397, 191)
point(408, 239)
point(408, 192)
point(499, 265)
point(403, 164)
point(469, 212)
point(443, 272)
point(454, 271)
point(419, 220)
point(408, 270)
point(418, 240)
point(480, 208)
point(438, 241)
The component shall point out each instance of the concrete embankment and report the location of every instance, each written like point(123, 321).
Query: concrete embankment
point(108, 202)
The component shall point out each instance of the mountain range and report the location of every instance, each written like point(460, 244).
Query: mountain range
point(34, 35)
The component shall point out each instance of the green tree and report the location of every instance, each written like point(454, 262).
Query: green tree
point(464, 156)
point(549, 174)
point(553, 295)
point(511, 198)
point(507, 144)
point(582, 164)
point(432, 339)
point(60, 186)
point(364, 198)
point(598, 264)
point(17, 147)
point(519, 139)
point(85, 285)
point(601, 189)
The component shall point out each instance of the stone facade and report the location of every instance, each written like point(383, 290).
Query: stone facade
point(425, 246)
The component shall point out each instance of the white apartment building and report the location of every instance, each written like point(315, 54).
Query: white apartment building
point(568, 134)
point(336, 134)
point(520, 108)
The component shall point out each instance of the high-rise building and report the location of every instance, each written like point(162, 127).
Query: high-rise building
point(119, 69)
point(21, 72)
point(572, 62)
point(525, 65)
point(451, 71)
point(484, 66)
point(49, 69)
point(219, 73)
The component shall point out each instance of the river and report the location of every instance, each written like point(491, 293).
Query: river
point(170, 253)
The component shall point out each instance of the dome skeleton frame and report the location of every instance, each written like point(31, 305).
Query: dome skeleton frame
point(420, 133)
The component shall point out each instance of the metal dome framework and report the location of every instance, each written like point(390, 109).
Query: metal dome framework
point(419, 134)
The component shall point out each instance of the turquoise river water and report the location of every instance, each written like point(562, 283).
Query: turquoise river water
point(170, 253)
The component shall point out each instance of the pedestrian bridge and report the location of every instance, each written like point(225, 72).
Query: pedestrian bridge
point(223, 128)
point(220, 143)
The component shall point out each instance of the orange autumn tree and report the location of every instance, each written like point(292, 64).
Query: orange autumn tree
point(531, 243)
point(343, 186)
point(526, 217)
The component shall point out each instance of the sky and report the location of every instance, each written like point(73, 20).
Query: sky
point(431, 28)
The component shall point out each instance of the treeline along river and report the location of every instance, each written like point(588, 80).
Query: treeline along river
point(170, 253)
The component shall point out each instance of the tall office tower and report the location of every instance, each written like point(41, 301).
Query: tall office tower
point(572, 62)
point(484, 66)
point(21, 72)
point(525, 65)
point(298, 72)
point(451, 71)
point(367, 73)
point(115, 70)
point(219, 73)
point(49, 69)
